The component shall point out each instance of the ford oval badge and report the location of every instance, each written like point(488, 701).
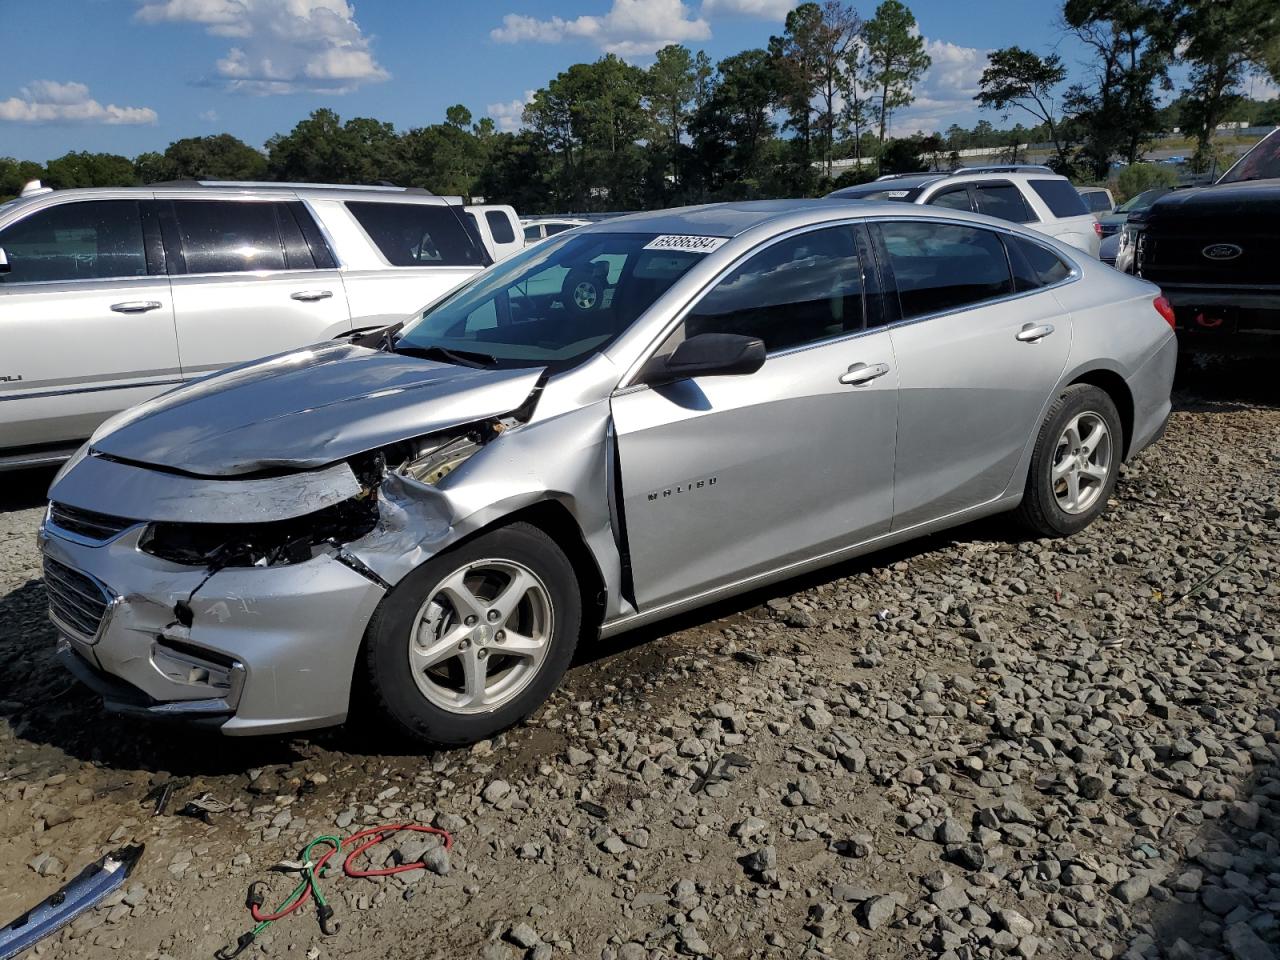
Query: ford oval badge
point(1222, 251)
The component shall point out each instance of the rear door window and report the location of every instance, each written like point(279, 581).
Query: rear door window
point(1034, 266)
point(229, 236)
point(797, 291)
point(418, 234)
point(1003, 200)
point(86, 240)
point(1060, 197)
point(939, 267)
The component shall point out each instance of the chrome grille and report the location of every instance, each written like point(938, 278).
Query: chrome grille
point(77, 603)
point(97, 527)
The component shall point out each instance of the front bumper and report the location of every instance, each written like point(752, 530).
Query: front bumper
point(268, 649)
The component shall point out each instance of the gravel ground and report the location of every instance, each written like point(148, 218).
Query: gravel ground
point(973, 746)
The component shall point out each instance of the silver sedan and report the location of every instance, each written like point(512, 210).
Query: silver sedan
point(636, 418)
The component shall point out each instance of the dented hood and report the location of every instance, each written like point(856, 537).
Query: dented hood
point(306, 409)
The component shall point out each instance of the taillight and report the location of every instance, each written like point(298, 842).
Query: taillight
point(1097, 228)
point(1165, 309)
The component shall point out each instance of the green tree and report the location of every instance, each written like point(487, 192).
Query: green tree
point(1222, 43)
point(895, 58)
point(1137, 177)
point(322, 149)
point(86, 169)
point(1019, 78)
point(810, 60)
point(16, 174)
point(672, 87)
point(732, 128)
point(1118, 113)
point(218, 157)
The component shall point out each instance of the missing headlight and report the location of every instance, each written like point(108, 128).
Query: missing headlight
point(433, 465)
point(218, 545)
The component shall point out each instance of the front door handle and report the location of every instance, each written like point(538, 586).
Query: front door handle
point(136, 306)
point(309, 295)
point(861, 373)
point(1033, 333)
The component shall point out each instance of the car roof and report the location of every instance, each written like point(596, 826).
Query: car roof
point(231, 188)
point(735, 218)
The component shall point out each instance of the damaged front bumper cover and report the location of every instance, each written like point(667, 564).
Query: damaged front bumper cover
point(246, 649)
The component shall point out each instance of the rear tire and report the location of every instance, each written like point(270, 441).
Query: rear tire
point(1075, 463)
point(475, 639)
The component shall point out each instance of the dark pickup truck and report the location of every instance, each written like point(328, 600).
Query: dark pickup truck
point(1215, 251)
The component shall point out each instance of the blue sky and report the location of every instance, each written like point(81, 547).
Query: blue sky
point(133, 75)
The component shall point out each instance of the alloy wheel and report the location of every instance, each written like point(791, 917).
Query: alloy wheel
point(481, 636)
point(585, 295)
point(1081, 462)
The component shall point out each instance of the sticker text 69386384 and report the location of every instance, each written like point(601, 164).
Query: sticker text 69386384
point(670, 241)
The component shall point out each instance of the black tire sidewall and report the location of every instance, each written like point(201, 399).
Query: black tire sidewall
point(386, 652)
point(1045, 513)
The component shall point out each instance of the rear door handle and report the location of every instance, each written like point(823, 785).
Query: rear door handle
point(861, 373)
point(136, 306)
point(310, 295)
point(1031, 333)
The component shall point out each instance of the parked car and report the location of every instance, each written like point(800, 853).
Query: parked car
point(1098, 200)
point(763, 389)
point(1109, 249)
point(535, 231)
point(499, 228)
point(111, 296)
point(1027, 194)
point(1213, 249)
point(1112, 223)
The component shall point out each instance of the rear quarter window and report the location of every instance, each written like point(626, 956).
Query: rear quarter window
point(1060, 197)
point(1034, 266)
point(417, 234)
point(499, 226)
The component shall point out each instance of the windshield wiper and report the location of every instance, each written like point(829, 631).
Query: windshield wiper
point(462, 358)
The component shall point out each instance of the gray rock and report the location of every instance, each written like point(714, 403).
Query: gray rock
point(877, 911)
point(523, 935)
point(1131, 890)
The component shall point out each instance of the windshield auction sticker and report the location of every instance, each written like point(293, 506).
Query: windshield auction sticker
point(689, 244)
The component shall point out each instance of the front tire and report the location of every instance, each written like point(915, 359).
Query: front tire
point(1075, 463)
point(475, 639)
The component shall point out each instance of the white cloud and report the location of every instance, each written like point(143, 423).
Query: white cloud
point(946, 90)
point(509, 116)
point(48, 101)
point(631, 28)
point(764, 9)
point(284, 46)
point(1261, 88)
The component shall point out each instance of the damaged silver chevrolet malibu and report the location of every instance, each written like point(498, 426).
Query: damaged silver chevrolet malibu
point(630, 420)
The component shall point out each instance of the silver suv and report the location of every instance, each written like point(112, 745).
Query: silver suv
point(1029, 194)
point(111, 296)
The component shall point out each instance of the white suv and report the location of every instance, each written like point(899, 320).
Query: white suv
point(1021, 193)
point(111, 296)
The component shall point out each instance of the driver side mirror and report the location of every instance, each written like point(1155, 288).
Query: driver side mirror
point(707, 355)
point(4, 261)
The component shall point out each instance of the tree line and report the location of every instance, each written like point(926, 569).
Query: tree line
point(769, 121)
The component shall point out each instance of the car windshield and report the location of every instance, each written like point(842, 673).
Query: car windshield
point(1142, 200)
point(1260, 163)
point(880, 191)
point(554, 304)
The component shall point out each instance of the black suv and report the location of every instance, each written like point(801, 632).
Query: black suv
point(1214, 250)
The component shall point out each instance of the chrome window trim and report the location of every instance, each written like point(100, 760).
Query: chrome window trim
point(325, 235)
point(148, 277)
